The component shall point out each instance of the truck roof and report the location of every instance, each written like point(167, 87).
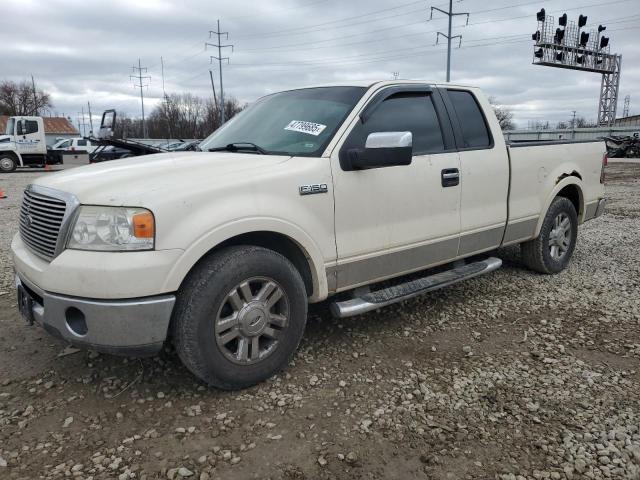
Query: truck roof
point(371, 83)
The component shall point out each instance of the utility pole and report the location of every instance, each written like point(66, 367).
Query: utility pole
point(166, 102)
point(213, 87)
point(220, 58)
point(448, 36)
point(573, 119)
point(627, 103)
point(141, 78)
point(90, 119)
point(35, 97)
point(82, 127)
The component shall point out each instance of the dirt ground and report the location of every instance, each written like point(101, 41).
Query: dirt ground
point(512, 375)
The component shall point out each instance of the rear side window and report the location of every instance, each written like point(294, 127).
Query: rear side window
point(403, 112)
point(82, 143)
point(475, 133)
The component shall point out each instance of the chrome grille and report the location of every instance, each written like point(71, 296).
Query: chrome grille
point(41, 218)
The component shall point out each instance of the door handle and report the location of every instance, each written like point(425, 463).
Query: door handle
point(450, 177)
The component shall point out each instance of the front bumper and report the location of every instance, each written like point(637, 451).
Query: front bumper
point(135, 327)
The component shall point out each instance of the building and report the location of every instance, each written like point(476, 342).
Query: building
point(630, 121)
point(55, 128)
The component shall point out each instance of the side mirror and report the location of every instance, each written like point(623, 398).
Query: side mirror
point(382, 149)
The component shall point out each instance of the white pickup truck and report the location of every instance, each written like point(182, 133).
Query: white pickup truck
point(334, 191)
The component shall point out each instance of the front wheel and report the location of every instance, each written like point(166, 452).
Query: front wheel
point(7, 164)
point(240, 316)
point(551, 251)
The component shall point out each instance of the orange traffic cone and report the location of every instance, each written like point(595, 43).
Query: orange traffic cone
point(2, 194)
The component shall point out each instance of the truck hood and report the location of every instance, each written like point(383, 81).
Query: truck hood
point(139, 181)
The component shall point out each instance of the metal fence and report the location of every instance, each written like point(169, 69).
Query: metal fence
point(568, 134)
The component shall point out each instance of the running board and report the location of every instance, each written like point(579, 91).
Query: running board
point(381, 298)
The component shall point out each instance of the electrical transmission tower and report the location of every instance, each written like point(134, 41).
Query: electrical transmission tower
point(627, 103)
point(396, 75)
point(220, 58)
point(141, 79)
point(449, 37)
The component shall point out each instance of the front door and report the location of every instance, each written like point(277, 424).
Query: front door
point(29, 138)
point(397, 219)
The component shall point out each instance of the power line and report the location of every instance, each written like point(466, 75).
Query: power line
point(220, 58)
point(141, 79)
point(305, 29)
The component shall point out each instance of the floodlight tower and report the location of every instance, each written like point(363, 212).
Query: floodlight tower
point(567, 46)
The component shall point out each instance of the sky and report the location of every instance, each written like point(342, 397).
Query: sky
point(83, 50)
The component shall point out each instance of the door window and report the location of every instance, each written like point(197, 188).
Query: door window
point(64, 144)
point(82, 143)
point(27, 127)
point(412, 112)
point(475, 133)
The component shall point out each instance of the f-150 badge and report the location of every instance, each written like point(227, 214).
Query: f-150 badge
point(313, 188)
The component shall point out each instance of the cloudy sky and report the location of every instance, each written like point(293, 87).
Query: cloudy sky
point(83, 50)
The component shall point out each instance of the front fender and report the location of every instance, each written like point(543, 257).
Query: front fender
point(234, 228)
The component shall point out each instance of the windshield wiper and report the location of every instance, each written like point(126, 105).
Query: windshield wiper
point(237, 146)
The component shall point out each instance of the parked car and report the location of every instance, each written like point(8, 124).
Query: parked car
point(309, 194)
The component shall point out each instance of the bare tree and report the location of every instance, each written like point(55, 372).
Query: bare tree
point(188, 116)
point(504, 115)
point(20, 99)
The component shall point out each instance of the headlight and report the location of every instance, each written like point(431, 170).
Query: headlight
point(112, 229)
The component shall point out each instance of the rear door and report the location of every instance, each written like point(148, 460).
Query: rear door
point(397, 219)
point(484, 171)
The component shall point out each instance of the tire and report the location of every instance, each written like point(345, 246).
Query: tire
point(7, 163)
point(241, 282)
point(551, 251)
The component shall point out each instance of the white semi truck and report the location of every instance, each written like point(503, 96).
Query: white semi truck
point(23, 144)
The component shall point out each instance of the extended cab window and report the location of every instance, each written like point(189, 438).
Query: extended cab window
point(403, 112)
point(475, 132)
point(82, 143)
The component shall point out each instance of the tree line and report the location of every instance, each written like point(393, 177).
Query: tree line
point(179, 115)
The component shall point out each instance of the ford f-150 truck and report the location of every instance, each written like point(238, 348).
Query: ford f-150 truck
point(336, 191)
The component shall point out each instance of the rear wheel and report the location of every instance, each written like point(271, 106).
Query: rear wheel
point(552, 250)
point(240, 316)
point(7, 164)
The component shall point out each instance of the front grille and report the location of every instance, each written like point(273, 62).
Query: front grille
point(41, 218)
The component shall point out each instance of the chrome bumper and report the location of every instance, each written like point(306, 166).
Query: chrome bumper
point(127, 327)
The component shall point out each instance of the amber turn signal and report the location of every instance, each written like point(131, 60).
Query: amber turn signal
point(143, 225)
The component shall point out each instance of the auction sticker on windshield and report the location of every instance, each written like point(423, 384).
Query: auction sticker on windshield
point(305, 127)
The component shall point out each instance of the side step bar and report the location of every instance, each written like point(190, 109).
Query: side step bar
point(381, 298)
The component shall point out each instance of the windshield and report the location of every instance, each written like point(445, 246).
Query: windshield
point(10, 125)
point(296, 122)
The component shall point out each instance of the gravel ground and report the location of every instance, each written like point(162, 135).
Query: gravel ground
point(513, 375)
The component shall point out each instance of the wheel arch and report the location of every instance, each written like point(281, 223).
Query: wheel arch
point(569, 186)
point(297, 248)
point(15, 155)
